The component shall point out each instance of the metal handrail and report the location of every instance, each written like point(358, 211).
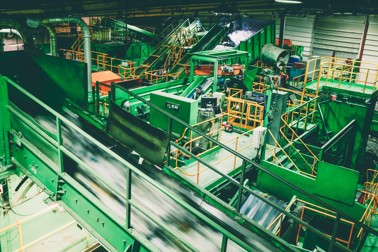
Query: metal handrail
point(332, 69)
point(57, 143)
point(370, 190)
point(259, 167)
point(280, 217)
point(102, 60)
point(288, 156)
point(199, 171)
point(287, 125)
point(330, 215)
point(19, 223)
point(154, 76)
point(243, 113)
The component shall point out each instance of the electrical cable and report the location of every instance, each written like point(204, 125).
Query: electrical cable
point(23, 180)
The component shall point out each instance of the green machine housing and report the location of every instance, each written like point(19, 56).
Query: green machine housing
point(184, 108)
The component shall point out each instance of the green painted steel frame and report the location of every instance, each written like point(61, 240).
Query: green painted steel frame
point(112, 232)
point(214, 57)
point(4, 124)
point(346, 133)
point(174, 87)
point(254, 44)
point(232, 211)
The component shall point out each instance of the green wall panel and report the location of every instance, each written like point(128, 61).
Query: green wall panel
point(184, 108)
point(339, 114)
point(336, 182)
point(51, 79)
point(271, 185)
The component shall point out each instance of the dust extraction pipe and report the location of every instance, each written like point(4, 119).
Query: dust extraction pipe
point(7, 31)
point(86, 38)
point(26, 36)
point(52, 39)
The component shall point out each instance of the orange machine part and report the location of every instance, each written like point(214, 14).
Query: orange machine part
point(106, 77)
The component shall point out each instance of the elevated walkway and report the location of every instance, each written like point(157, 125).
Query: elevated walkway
point(122, 206)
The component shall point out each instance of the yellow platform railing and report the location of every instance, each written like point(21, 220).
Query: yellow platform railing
point(304, 115)
point(369, 198)
point(155, 76)
point(103, 61)
point(243, 113)
point(342, 71)
point(315, 209)
point(273, 150)
point(233, 143)
point(18, 226)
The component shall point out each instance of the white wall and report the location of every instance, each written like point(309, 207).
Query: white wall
point(299, 30)
point(370, 53)
point(332, 35)
point(338, 35)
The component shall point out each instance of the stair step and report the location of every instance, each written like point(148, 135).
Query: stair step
point(301, 125)
point(290, 166)
point(280, 159)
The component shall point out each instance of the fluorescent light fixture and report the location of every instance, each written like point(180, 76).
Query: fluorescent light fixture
point(21, 44)
point(288, 1)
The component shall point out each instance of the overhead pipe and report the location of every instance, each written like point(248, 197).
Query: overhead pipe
point(14, 31)
point(5, 31)
point(86, 38)
point(52, 39)
point(26, 35)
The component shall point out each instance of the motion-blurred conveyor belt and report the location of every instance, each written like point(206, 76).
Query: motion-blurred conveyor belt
point(114, 198)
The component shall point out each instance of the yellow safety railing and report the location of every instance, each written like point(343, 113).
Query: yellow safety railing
point(279, 148)
point(201, 168)
point(103, 61)
point(243, 113)
point(76, 46)
point(259, 86)
point(18, 225)
point(191, 139)
point(304, 113)
point(235, 93)
point(126, 71)
point(190, 142)
point(370, 195)
point(342, 71)
point(155, 76)
point(309, 207)
point(345, 72)
point(279, 219)
point(313, 209)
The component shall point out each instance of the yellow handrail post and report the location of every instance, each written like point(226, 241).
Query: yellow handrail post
point(20, 236)
point(366, 78)
point(198, 169)
point(236, 149)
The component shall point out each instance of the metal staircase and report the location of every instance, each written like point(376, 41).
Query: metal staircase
point(207, 42)
point(290, 151)
point(177, 37)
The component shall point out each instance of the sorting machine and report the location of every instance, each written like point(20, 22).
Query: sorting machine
point(175, 176)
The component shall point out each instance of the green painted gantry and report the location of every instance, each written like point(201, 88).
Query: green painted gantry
point(40, 155)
